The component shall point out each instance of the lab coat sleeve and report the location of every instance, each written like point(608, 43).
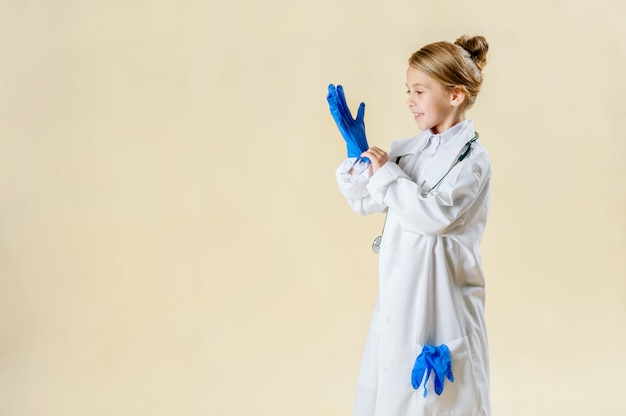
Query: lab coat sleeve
point(354, 189)
point(440, 213)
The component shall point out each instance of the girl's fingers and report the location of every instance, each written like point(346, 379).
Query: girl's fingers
point(377, 156)
point(375, 152)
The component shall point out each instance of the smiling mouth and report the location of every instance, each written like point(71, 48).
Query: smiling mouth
point(417, 115)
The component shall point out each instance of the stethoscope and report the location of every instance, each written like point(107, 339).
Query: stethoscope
point(465, 151)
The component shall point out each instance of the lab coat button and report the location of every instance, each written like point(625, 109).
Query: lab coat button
point(388, 318)
point(386, 370)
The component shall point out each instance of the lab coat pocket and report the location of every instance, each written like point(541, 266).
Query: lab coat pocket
point(461, 397)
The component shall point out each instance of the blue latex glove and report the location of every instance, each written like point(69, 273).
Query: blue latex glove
point(352, 130)
point(436, 359)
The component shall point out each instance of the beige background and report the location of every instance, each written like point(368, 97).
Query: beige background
point(172, 241)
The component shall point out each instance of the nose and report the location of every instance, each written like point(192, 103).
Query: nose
point(410, 102)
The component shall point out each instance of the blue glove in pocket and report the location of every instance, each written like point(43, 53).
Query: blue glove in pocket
point(436, 359)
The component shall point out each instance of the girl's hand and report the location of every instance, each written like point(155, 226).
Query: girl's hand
point(377, 156)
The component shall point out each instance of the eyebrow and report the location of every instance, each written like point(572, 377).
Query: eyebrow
point(417, 84)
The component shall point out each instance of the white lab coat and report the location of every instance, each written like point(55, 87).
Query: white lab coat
point(431, 284)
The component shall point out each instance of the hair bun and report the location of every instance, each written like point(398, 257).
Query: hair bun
point(477, 47)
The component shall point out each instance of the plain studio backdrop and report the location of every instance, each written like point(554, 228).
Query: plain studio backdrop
point(172, 241)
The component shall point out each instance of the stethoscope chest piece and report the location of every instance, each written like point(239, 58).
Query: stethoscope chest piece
point(376, 244)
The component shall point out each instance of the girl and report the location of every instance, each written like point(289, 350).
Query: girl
point(426, 351)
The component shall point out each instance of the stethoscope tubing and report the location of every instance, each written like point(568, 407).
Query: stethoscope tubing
point(465, 151)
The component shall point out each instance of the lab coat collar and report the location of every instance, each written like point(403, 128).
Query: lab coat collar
point(446, 135)
point(461, 132)
point(447, 154)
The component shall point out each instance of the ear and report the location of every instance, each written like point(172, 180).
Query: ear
point(457, 96)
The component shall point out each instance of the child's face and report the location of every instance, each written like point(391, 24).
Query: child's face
point(430, 103)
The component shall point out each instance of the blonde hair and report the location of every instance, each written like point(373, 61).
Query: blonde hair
point(454, 64)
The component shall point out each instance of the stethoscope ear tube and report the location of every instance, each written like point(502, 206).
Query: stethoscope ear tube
point(467, 148)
